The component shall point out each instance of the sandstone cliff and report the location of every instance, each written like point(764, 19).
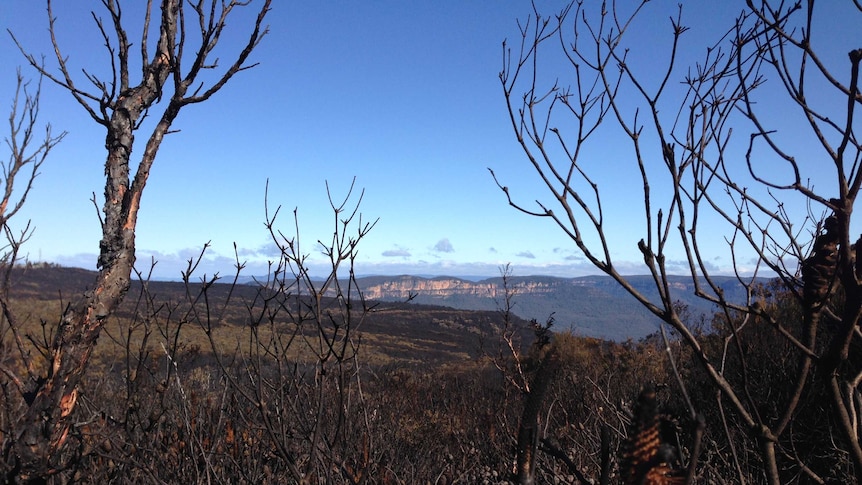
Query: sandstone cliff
point(594, 306)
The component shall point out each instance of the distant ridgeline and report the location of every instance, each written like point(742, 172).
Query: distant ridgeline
point(593, 306)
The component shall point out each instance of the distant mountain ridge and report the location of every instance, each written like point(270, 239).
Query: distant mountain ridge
point(593, 306)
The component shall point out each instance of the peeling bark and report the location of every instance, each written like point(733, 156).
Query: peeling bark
point(34, 450)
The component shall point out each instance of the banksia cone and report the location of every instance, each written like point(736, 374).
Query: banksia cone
point(646, 460)
point(818, 270)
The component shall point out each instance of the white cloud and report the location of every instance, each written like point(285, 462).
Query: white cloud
point(396, 253)
point(444, 246)
point(267, 250)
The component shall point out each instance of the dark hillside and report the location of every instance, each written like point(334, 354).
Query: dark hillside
point(391, 332)
point(592, 306)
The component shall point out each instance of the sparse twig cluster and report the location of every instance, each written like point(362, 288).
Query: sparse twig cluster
point(684, 148)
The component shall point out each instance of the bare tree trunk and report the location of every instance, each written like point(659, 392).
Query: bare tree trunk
point(81, 323)
point(562, 128)
point(529, 429)
point(34, 449)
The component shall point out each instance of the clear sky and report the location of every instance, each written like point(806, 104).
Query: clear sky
point(404, 96)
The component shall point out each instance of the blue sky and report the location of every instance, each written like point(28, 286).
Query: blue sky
point(402, 95)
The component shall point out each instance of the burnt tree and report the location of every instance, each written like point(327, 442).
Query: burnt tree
point(706, 131)
point(170, 77)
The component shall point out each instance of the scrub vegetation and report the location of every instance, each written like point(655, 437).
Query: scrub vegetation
point(300, 379)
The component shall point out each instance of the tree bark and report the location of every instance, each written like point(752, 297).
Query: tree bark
point(33, 450)
point(529, 429)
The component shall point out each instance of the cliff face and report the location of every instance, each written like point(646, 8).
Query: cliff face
point(403, 287)
point(594, 306)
